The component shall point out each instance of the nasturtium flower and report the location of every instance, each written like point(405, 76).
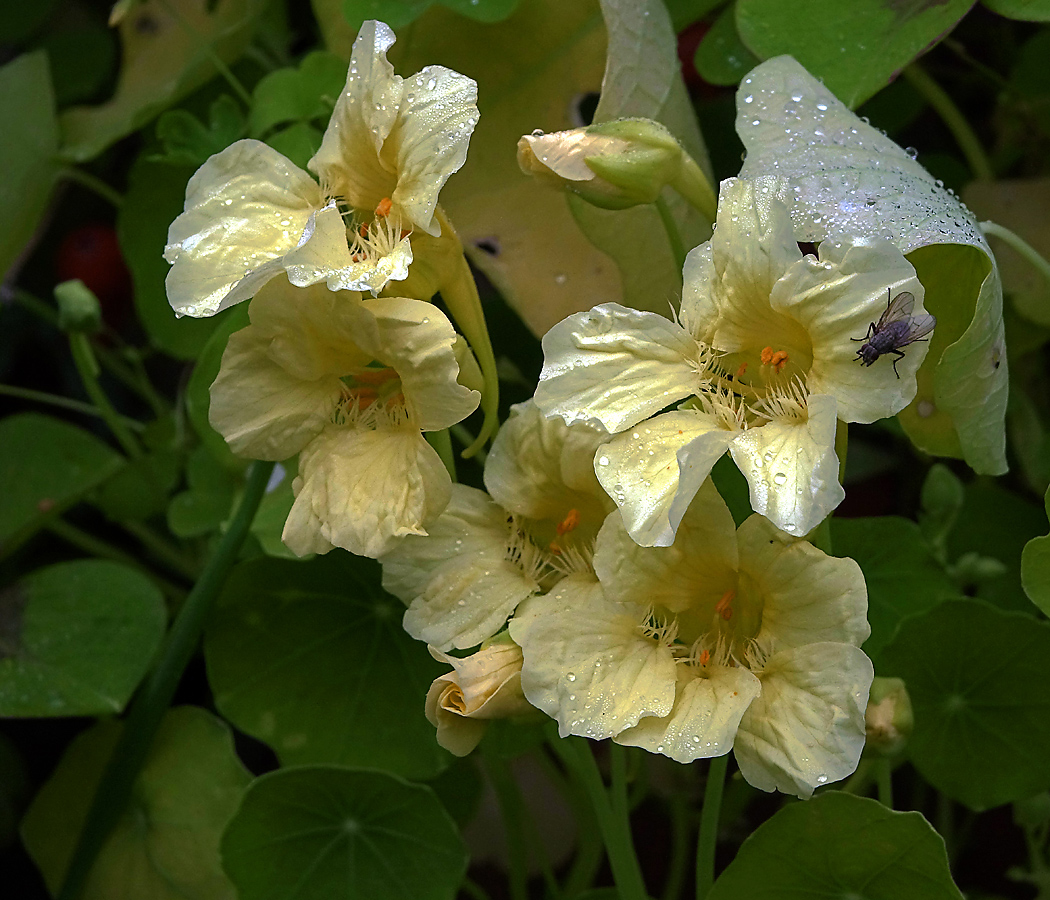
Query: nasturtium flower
point(349, 385)
point(483, 686)
point(489, 551)
point(762, 361)
point(389, 148)
point(744, 639)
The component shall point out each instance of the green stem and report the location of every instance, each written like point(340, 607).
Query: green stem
point(441, 441)
point(462, 434)
point(1032, 256)
point(474, 890)
point(955, 121)
point(615, 829)
point(87, 367)
point(94, 184)
point(884, 779)
point(673, 236)
point(152, 700)
point(77, 406)
point(709, 815)
point(679, 848)
point(512, 811)
point(164, 551)
point(860, 781)
point(693, 185)
point(588, 842)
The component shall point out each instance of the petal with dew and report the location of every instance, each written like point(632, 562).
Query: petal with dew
point(323, 254)
point(806, 728)
point(365, 490)
point(458, 580)
point(705, 716)
point(588, 661)
point(808, 597)
point(615, 366)
point(653, 471)
point(791, 467)
point(246, 207)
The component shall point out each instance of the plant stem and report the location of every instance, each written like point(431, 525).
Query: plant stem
point(693, 185)
point(77, 406)
point(94, 184)
point(884, 776)
point(164, 551)
point(1032, 256)
point(953, 118)
point(679, 848)
point(152, 700)
point(673, 236)
point(615, 829)
point(512, 812)
point(709, 815)
point(87, 367)
point(441, 441)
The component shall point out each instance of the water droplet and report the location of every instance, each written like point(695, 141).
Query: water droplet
point(779, 478)
point(571, 676)
point(431, 84)
point(603, 460)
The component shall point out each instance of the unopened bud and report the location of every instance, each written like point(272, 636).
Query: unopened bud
point(78, 308)
point(613, 165)
point(888, 719)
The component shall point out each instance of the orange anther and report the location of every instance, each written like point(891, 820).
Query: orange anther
point(385, 205)
point(767, 355)
point(554, 548)
point(779, 359)
point(571, 520)
point(741, 371)
point(724, 607)
point(363, 231)
point(705, 657)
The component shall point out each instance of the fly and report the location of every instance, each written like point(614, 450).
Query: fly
point(896, 328)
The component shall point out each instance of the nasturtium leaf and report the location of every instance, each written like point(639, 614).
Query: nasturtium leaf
point(311, 658)
point(838, 846)
point(902, 576)
point(855, 48)
point(520, 233)
point(842, 176)
point(27, 152)
point(685, 12)
point(721, 57)
point(328, 833)
point(1025, 10)
point(167, 48)
point(298, 95)
point(977, 677)
point(45, 467)
point(156, 195)
point(1035, 567)
point(76, 638)
point(188, 141)
point(298, 142)
point(206, 503)
point(268, 524)
point(166, 844)
point(82, 60)
point(942, 498)
point(140, 490)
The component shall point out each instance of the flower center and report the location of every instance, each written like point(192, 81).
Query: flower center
point(372, 396)
point(372, 235)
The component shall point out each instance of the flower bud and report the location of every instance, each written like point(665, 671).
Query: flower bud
point(888, 719)
point(78, 308)
point(483, 686)
point(614, 165)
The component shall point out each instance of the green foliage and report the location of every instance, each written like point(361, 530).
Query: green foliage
point(140, 490)
point(82, 60)
point(838, 846)
point(407, 11)
point(188, 141)
point(205, 504)
point(1035, 568)
point(722, 57)
point(342, 834)
point(166, 845)
point(298, 95)
point(294, 649)
point(1025, 10)
point(978, 686)
point(76, 638)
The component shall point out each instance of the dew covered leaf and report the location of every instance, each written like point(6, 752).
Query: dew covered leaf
point(977, 680)
point(842, 176)
point(855, 48)
point(837, 846)
point(342, 834)
point(166, 844)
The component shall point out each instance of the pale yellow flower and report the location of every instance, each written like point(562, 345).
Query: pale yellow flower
point(389, 148)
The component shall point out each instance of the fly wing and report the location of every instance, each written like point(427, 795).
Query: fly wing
point(898, 308)
point(918, 327)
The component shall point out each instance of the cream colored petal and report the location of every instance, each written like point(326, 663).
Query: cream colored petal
point(348, 161)
point(365, 490)
point(302, 529)
point(806, 728)
point(416, 340)
point(457, 580)
point(246, 207)
point(835, 299)
point(588, 662)
point(457, 733)
point(263, 411)
point(489, 681)
point(792, 469)
point(653, 471)
point(705, 716)
point(539, 467)
point(699, 312)
point(429, 141)
point(700, 564)
point(807, 596)
point(614, 366)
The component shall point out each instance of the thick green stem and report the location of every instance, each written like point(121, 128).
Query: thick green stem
point(87, 367)
point(955, 121)
point(512, 811)
point(152, 700)
point(709, 816)
point(615, 829)
point(693, 185)
point(674, 238)
point(1032, 256)
point(676, 868)
point(884, 776)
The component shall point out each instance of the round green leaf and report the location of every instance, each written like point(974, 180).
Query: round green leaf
point(166, 845)
point(978, 682)
point(311, 658)
point(298, 95)
point(325, 833)
point(76, 638)
point(45, 467)
point(1035, 567)
point(902, 577)
point(840, 847)
point(722, 57)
